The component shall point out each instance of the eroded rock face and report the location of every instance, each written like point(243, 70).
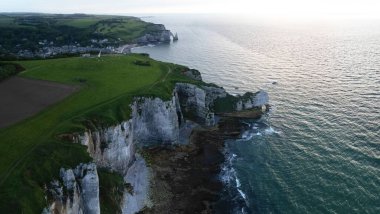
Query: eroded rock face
point(77, 193)
point(152, 122)
point(193, 102)
point(261, 99)
point(111, 148)
point(258, 99)
point(155, 121)
point(138, 177)
point(196, 101)
point(212, 93)
point(114, 148)
point(160, 35)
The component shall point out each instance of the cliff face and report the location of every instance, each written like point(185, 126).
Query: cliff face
point(153, 123)
point(159, 35)
point(111, 148)
point(138, 176)
point(250, 100)
point(78, 192)
point(196, 101)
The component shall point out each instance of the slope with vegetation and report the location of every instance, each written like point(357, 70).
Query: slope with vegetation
point(20, 32)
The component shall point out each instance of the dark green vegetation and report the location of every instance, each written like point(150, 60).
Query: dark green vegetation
point(9, 69)
point(35, 31)
point(33, 151)
point(228, 103)
point(142, 63)
point(111, 191)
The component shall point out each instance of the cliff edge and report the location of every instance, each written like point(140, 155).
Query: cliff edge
point(160, 170)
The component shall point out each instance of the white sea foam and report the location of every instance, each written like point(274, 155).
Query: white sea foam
point(247, 136)
point(231, 180)
point(228, 172)
point(242, 194)
point(237, 182)
point(271, 130)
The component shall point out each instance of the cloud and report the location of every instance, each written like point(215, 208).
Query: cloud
point(252, 7)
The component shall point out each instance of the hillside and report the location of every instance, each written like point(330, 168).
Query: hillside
point(33, 151)
point(46, 35)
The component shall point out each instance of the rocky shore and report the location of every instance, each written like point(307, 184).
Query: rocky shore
point(186, 178)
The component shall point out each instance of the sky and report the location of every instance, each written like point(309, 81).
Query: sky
point(264, 8)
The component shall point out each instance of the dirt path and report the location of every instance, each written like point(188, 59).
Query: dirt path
point(162, 79)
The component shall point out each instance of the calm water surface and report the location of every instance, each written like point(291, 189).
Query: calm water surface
point(318, 150)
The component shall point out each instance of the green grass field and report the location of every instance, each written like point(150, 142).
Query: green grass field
point(31, 152)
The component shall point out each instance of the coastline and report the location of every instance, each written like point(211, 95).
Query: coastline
point(169, 153)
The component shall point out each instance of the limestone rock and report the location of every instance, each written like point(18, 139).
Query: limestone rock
point(196, 101)
point(139, 177)
point(111, 148)
point(261, 99)
point(158, 35)
point(251, 100)
point(78, 192)
point(155, 121)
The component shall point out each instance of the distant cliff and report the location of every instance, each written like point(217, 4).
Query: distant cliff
point(157, 35)
point(25, 36)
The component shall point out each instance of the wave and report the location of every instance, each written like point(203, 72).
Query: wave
point(258, 130)
point(242, 194)
point(235, 196)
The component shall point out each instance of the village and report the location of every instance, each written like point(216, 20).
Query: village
point(48, 49)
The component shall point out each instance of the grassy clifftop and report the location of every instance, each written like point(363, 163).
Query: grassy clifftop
point(31, 152)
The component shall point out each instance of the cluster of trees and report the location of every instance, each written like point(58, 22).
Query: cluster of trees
point(26, 33)
point(28, 38)
point(9, 69)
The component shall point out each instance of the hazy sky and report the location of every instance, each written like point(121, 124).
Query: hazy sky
point(271, 8)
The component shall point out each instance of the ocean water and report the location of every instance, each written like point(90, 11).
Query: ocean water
point(318, 150)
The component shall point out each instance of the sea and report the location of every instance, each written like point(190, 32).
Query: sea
point(318, 149)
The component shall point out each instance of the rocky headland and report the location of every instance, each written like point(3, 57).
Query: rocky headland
point(169, 153)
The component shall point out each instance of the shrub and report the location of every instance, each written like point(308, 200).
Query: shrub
point(9, 69)
point(141, 63)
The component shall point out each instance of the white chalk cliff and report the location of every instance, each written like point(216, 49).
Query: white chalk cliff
point(77, 193)
point(153, 122)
